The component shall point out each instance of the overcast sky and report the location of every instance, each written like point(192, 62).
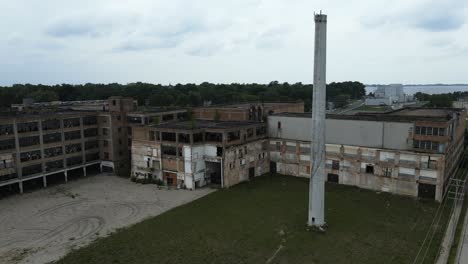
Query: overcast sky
point(224, 41)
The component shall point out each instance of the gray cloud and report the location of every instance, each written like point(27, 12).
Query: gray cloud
point(428, 15)
point(148, 44)
point(273, 38)
point(440, 22)
point(186, 41)
point(206, 50)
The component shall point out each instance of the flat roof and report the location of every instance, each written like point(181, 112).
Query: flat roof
point(401, 115)
point(249, 104)
point(203, 124)
point(149, 111)
point(40, 115)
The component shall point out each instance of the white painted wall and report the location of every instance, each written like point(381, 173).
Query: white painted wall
point(372, 134)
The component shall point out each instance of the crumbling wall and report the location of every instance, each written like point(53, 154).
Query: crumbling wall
point(240, 160)
point(392, 171)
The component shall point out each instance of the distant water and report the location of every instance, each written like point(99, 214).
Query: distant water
point(429, 89)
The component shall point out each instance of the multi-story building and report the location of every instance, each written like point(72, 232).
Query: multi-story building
point(39, 145)
point(412, 151)
point(246, 111)
point(194, 153)
point(44, 143)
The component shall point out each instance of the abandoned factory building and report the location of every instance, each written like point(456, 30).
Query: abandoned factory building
point(412, 151)
point(192, 154)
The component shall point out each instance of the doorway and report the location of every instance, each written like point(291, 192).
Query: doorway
point(213, 172)
point(251, 173)
point(272, 167)
point(426, 191)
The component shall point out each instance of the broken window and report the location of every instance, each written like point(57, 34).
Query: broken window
point(91, 144)
point(52, 152)
point(197, 137)
point(279, 124)
point(336, 164)
point(168, 117)
point(51, 138)
point(27, 127)
point(184, 138)
point(29, 141)
point(387, 172)
point(54, 165)
point(89, 120)
point(213, 137)
point(166, 136)
point(6, 129)
point(33, 169)
point(219, 151)
point(441, 131)
point(7, 144)
point(261, 131)
point(72, 135)
point(234, 135)
point(429, 131)
point(168, 150)
point(72, 148)
point(72, 122)
point(74, 161)
point(250, 132)
point(278, 146)
point(90, 132)
point(418, 130)
point(51, 124)
point(30, 155)
point(370, 169)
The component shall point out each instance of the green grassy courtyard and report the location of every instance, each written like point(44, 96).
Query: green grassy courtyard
point(263, 221)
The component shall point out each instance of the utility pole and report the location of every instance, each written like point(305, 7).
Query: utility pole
point(317, 158)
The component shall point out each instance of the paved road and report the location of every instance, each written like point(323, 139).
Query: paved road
point(349, 107)
point(463, 255)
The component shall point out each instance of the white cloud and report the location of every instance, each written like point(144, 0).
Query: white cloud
point(373, 41)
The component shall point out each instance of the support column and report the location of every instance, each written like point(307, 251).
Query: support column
point(84, 171)
point(222, 172)
point(66, 176)
point(20, 184)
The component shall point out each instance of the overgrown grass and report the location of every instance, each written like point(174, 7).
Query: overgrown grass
point(458, 233)
point(373, 108)
point(250, 222)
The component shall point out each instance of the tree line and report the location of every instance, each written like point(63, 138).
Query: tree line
point(440, 100)
point(182, 95)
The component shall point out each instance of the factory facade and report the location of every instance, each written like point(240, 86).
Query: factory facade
point(410, 151)
point(42, 143)
point(191, 154)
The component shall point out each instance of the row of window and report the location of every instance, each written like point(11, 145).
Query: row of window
point(426, 145)
point(430, 131)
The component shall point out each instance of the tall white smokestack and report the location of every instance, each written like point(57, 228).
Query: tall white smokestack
point(317, 158)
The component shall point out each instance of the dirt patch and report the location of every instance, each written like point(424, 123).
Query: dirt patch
point(43, 226)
